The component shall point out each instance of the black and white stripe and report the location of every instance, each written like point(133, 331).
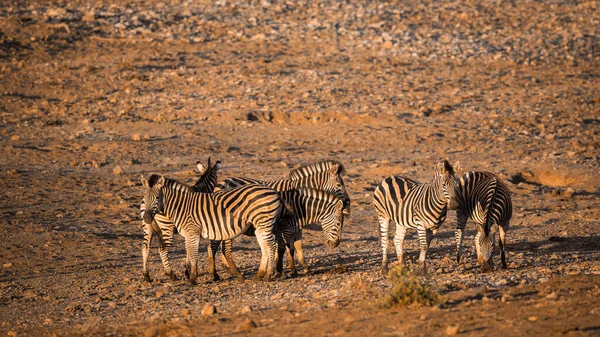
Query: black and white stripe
point(484, 198)
point(410, 204)
point(304, 206)
point(216, 216)
point(325, 175)
point(164, 227)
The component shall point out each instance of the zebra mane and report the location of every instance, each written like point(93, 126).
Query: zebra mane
point(170, 183)
point(313, 193)
point(307, 170)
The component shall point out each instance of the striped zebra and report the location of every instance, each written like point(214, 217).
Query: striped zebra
point(304, 206)
point(216, 216)
point(324, 175)
point(410, 204)
point(484, 198)
point(164, 227)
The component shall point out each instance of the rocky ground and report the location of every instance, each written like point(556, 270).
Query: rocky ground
point(95, 93)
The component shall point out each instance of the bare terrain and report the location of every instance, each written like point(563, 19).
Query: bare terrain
point(95, 93)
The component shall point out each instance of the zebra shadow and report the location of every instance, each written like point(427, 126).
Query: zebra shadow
point(559, 244)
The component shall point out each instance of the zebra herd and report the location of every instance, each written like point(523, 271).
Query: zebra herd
point(276, 211)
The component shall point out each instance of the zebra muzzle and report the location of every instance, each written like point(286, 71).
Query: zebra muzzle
point(333, 243)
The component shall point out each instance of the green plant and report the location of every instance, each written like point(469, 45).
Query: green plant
point(408, 288)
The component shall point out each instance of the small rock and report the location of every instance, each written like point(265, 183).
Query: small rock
point(555, 193)
point(159, 294)
point(185, 312)
point(501, 282)
point(568, 193)
point(452, 330)
point(247, 325)
point(208, 310)
point(7, 265)
point(423, 317)
point(95, 164)
point(15, 137)
point(551, 296)
point(387, 45)
point(118, 170)
point(246, 309)
point(11, 333)
point(532, 318)
point(136, 137)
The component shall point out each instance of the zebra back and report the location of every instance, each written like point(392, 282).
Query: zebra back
point(328, 180)
point(408, 202)
point(323, 166)
point(221, 215)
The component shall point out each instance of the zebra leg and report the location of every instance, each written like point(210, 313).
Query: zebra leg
point(478, 249)
point(502, 243)
point(163, 251)
point(298, 248)
point(281, 248)
point(383, 236)
point(212, 250)
point(290, 249)
point(461, 222)
point(398, 243)
point(267, 244)
point(146, 251)
point(226, 247)
point(424, 239)
point(191, 246)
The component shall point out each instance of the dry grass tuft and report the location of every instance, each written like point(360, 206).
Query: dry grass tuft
point(357, 283)
point(408, 288)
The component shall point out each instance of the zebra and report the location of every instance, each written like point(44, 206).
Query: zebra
point(324, 175)
point(410, 204)
point(303, 206)
point(164, 227)
point(216, 216)
point(484, 198)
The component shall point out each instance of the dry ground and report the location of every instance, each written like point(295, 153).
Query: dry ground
point(95, 93)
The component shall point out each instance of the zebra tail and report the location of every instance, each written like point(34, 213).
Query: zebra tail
point(490, 203)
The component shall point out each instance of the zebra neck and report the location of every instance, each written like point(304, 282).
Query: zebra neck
point(434, 192)
point(178, 203)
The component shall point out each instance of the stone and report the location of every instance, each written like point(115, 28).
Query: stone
point(118, 170)
point(208, 310)
point(247, 325)
point(247, 309)
point(532, 318)
point(568, 193)
point(136, 137)
point(452, 329)
point(15, 137)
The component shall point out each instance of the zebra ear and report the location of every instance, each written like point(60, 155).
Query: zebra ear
point(160, 183)
point(457, 166)
point(144, 181)
point(440, 168)
point(217, 164)
point(336, 169)
point(201, 167)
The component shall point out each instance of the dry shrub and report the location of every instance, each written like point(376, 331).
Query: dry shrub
point(408, 288)
point(358, 283)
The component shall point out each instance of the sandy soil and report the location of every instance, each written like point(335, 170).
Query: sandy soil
point(95, 93)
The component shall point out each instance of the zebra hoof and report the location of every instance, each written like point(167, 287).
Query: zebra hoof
point(191, 282)
point(173, 277)
point(147, 278)
point(187, 273)
point(216, 277)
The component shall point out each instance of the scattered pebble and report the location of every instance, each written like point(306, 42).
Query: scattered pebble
point(208, 310)
point(246, 325)
point(453, 329)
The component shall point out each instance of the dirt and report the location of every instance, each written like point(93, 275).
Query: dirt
point(93, 94)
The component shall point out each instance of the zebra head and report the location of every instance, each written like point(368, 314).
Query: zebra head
point(208, 176)
point(153, 197)
point(335, 185)
point(333, 223)
point(486, 247)
point(444, 176)
point(327, 210)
